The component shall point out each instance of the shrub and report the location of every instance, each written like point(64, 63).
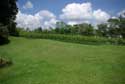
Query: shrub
point(74, 38)
point(3, 34)
point(4, 62)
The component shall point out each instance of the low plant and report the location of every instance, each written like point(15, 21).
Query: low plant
point(4, 62)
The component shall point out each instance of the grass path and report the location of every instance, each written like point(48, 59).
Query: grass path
point(42, 61)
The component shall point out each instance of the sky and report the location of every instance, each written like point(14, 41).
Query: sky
point(45, 13)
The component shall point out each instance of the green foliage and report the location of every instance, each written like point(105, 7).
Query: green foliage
point(3, 31)
point(3, 34)
point(114, 27)
point(8, 13)
point(12, 29)
point(38, 30)
point(102, 30)
point(63, 28)
point(4, 61)
point(8, 10)
point(74, 38)
point(84, 29)
point(122, 26)
point(117, 27)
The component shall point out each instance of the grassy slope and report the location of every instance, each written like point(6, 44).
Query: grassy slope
point(51, 62)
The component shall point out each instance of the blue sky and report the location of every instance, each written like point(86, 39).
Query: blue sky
point(55, 7)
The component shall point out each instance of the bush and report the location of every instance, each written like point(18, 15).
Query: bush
point(74, 38)
point(4, 62)
point(12, 29)
point(3, 34)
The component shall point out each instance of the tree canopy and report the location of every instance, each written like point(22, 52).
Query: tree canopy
point(8, 13)
point(8, 10)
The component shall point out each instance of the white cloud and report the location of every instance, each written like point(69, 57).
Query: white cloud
point(114, 17)
point(122, 13)
point(44, 19)
point(76, 13)
point(28, 5)
point(100, 16)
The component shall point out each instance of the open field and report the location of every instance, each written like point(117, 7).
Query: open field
point(39, 61)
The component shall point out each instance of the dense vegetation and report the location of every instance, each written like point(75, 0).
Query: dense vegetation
point(114, 28)
point(8, 13)
point(74, 38)
point(112, 32)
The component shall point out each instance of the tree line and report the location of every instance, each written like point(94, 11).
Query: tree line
point(113, 28)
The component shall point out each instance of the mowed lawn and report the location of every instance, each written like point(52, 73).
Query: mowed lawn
point(39, 61)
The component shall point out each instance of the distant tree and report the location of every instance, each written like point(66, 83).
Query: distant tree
point(114, 28)
point(62, 28)
point(122, 25)
point(102, 29)
point(68, 29)
point(39, 30)
point(28, 29)
point(75, 29)
point(60, 24)
point(84, 29)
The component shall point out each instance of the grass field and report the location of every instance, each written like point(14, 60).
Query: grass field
point(39, 61)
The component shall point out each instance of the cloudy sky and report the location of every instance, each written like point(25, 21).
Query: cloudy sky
point(45, 13)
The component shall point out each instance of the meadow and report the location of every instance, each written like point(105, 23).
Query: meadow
point(42, 61)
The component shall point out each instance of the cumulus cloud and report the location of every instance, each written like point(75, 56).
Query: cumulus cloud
point(73, 13)
point(76, 13)
point(44, 19)
point(100, 16)
point(122, 13)
point(28, 5)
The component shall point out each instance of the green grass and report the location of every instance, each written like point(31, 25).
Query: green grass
point(39, 61)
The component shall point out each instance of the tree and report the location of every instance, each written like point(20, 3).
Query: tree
point(8, 13)
point(60, 24)
point(84, 29)
point(3, 34)
point(102, 29)
point(114, 28)
point(39, 30)
point(12, 29)
point(122, 25)
point(60, 27)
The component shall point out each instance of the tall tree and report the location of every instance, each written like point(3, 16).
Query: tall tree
point(85, 29)
point(102, 29)
point(8, 13)
point(8, 10)
point(122, 25)
point(114, 29)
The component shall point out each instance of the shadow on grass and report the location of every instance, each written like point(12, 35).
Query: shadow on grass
point(4, 41)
